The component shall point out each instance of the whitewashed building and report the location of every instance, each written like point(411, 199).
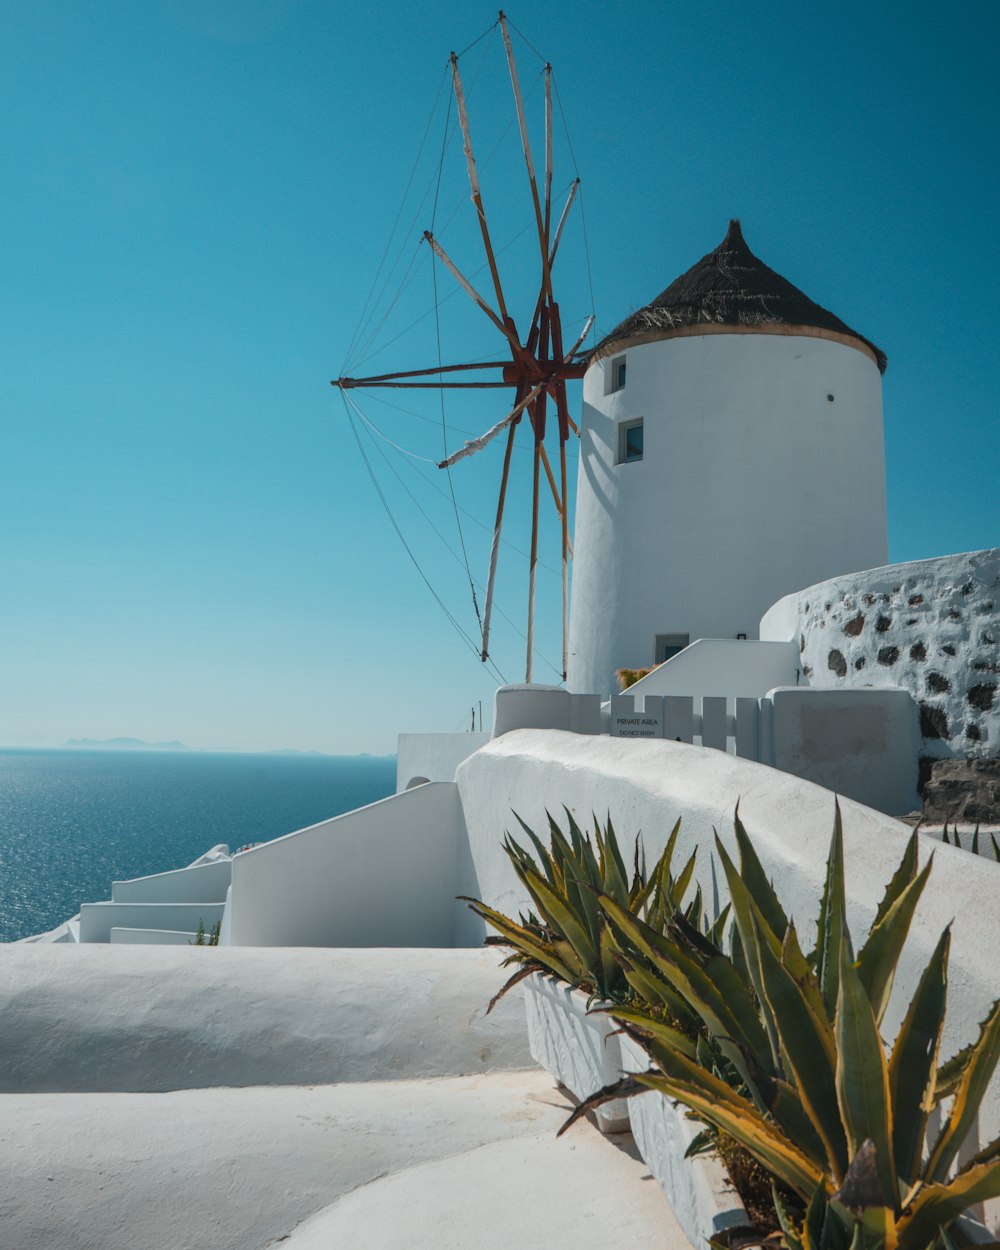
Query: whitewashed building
point(731, 453)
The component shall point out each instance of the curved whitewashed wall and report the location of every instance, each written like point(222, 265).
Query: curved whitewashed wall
point(930, 626)
point(646, 785)
point(382, 875)
point(111, 1018)
point(753, 482)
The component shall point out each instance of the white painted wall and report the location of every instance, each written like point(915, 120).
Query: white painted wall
point(110, 1018)
point(860, 743)
point(433, 757)
point(931, 626)
point(537, 706)
point(98, 919)
point(201, 883)
point(752, 484)
point(723, 667)
point(383, 875)
point(153, 937)
point(646, 785)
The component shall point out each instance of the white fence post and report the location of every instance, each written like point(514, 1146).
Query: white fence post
point(678, 717)
point(713, 722)
point(748, 729)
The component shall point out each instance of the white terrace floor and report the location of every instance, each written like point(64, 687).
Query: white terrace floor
point(170, 1098)
point(422, 1164)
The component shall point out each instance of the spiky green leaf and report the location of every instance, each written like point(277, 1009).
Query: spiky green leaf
point(968, 1095)
point(913, 1065)
point(863, 1078)
point(901, 878)
point(938, 1205)
point(757, 881)
point(832, 912)
point(807, 1046)
point(880, 954)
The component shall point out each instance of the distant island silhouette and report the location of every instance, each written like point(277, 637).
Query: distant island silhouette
point(123, 744)
point(138, 744)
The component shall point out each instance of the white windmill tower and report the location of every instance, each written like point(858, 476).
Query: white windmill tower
point(731, 452)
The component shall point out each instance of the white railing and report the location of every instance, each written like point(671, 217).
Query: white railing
point(204, 882)
point(675, 717)
point(724, 666)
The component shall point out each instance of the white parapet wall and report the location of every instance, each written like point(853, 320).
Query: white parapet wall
point(647, 785)
point(727, 667)
point(931, 626)
point(383, 875)
point(156, 937)
point(859, 743)
point(200, 883)
point(98, 919)
point(433, 757)
point(116, 1018)
point(545, 707)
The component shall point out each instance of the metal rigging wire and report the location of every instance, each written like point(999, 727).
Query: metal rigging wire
point(470, 642)
point(447, 545)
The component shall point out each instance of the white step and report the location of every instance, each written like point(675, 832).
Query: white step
point(203, 882)
point(153, 937)
point(98, 919)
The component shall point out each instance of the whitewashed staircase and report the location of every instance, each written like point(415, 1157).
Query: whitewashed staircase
point(163, 909)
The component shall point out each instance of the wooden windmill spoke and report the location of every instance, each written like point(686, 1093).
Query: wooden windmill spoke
point(477, 196)
point(583, 334)
point(562, 220)
point(532, 343)
point(477, 444)
point(555, 244)
point(495, 548)
point(562, 409)
point(566, 553)
point(548, 150)
point(532, 568)
point(526, 146)
point(384, 379)
point(546, 465)
point(470, 290)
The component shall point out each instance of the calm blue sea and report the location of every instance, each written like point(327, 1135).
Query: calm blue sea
point(72, 821)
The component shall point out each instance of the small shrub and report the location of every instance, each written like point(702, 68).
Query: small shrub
point(629, 676)
point(211, 938)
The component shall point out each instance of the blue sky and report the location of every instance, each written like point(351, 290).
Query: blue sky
point(196, 197)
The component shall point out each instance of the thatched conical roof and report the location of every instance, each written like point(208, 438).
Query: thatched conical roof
point(730, 287)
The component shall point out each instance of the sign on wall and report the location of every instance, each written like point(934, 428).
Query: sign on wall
point(626, 722)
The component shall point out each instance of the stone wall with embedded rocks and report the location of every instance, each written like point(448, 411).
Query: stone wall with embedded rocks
point(966, 790)
point(931, 626)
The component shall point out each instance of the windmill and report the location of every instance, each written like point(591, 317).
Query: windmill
point(538, 367)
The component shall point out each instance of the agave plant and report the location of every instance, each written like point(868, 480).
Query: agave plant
point(567, 934)
point(974, 847)
point(811, 1093)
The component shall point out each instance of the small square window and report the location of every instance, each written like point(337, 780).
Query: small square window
point(630, 441)
point(669, 645)
point(616, 372)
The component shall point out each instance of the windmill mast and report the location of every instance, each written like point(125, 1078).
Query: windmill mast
point(538, 368)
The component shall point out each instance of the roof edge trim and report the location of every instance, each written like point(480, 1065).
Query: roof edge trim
point(781, 329)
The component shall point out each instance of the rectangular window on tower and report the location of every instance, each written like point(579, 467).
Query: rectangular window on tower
point(668, 645)
point(630, 441)
point(616, 374)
